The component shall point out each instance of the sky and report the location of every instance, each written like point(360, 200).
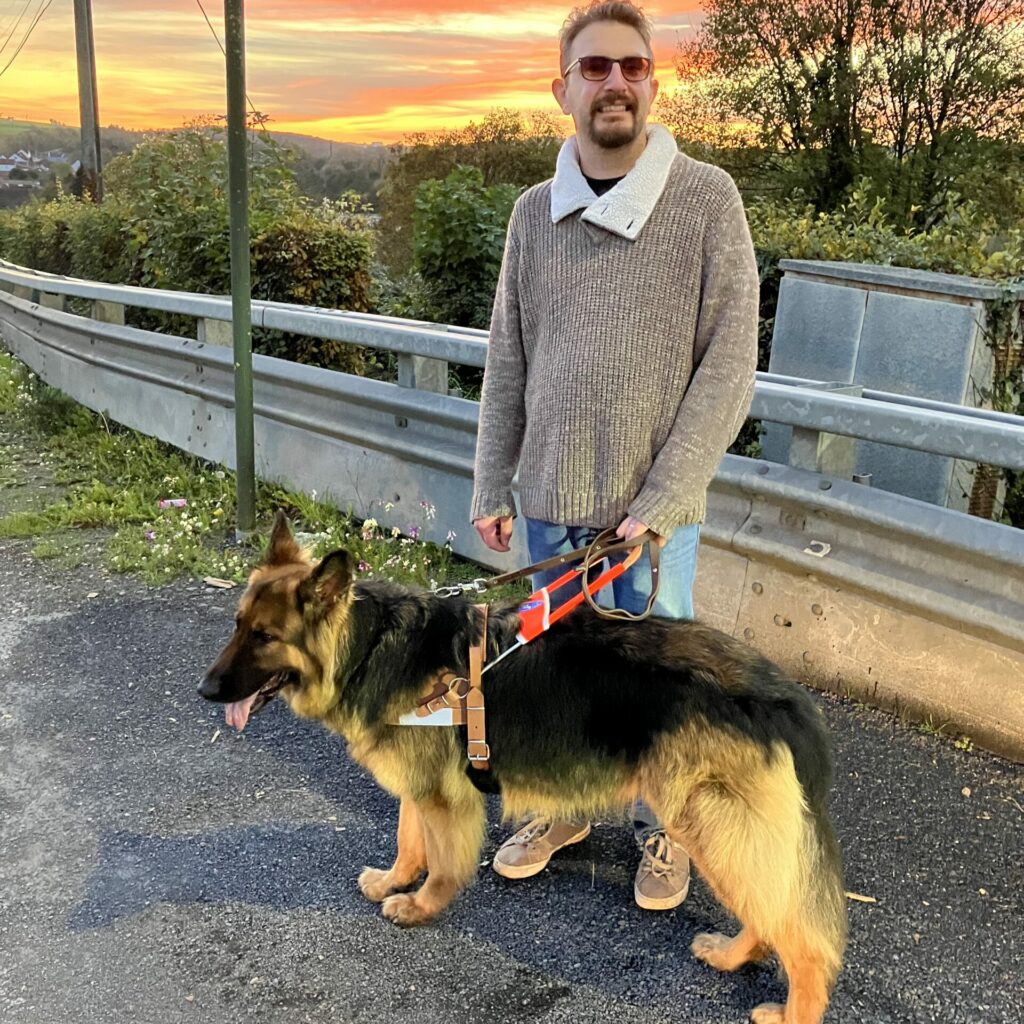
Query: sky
point(352, 72)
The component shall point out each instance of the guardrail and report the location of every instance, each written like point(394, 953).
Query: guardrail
point(855, 589)
point(936, 427)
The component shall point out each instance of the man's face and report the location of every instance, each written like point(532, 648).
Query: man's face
point(614, 112)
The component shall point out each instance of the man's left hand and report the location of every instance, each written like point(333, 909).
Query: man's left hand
point(631, 527)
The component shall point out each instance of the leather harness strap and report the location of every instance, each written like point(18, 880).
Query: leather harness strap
point(457, 700)
point(448, 693)
point(476, 727)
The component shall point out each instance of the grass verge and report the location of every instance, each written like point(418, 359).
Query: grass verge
point(83, 473)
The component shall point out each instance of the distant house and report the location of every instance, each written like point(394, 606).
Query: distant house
point(6, 168)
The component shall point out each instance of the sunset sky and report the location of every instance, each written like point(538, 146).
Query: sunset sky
point(357, 72)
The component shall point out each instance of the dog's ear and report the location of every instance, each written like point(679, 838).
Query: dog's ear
point(328, 581)
point(282, 549)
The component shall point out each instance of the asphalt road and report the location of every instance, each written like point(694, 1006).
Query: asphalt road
point(155, 868)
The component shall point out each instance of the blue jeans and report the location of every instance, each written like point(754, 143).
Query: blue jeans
point(631, 590)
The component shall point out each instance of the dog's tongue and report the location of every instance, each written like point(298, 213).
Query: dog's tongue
point(237, 714)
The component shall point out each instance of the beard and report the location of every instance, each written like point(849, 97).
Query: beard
point(614, 136)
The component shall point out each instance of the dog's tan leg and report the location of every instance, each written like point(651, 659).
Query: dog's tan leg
point(727, 954)
point(454, 837)
point(410, 862)
point(808, 986)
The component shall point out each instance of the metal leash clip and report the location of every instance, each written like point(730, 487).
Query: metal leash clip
point(454, 590)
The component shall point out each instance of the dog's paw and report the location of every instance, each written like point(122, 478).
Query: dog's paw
point(375, 884)
point(403, 910)
point(768, 1013)
point(714, 949)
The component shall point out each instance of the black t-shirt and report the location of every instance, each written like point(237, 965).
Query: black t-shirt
point(602, 185)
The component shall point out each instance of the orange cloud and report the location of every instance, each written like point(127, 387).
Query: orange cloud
point(349, 71)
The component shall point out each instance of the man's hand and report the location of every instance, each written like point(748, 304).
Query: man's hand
point(495, 531)
point(631, 527)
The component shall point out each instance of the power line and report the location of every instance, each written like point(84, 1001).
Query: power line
point(14, 27)
point(212, 29)
point(43, 8)
point(259, 116)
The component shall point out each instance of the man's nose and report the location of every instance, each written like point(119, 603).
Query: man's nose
point(615, 79)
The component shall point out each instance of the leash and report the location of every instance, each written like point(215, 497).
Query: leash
point(457, 700)
point(604, 544)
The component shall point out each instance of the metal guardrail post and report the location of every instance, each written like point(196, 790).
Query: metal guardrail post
point(214, 332)
point(107, 312)
point(52, 301)
point(821, 452)
point(423, 373)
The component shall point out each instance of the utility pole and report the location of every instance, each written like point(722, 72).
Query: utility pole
point(241, 296)
point(88, 102)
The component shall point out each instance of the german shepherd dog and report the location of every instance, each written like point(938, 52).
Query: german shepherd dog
point(731, 755)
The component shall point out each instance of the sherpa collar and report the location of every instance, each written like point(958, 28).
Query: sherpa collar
point(624, 209)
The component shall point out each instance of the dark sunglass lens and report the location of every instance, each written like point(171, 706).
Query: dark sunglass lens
point(635, 69)
point(595, 69)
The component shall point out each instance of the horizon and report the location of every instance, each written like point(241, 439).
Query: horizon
point(344, 72)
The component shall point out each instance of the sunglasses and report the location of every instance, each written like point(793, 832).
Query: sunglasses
point(597, 69)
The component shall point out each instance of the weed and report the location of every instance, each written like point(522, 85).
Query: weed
point(47, 549)
point(930, 728)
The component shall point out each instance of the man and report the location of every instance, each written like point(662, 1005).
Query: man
point(621, 359)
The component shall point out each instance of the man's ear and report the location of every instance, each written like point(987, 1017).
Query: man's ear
point(558, 91)
point(328, 581)
point(282, 549)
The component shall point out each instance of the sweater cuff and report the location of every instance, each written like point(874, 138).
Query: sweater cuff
point(496, 502)
point(663, 513)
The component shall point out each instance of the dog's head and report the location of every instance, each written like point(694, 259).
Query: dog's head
point(286, 633)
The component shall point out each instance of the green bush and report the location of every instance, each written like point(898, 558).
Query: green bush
point(314, 259)
point(165, 224)
point(98, 243)
point(459, 227)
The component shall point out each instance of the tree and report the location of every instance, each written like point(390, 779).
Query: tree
point(900, 90)
point(507, 147)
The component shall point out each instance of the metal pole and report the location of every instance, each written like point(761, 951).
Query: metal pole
point(88, 102)
point(241, 298)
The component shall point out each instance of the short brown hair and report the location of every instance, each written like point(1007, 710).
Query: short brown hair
point(622, 11)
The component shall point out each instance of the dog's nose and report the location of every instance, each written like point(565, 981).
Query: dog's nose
point(210, 686)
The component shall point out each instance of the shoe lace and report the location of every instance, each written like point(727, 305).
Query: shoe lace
point(534, 830)
point(657, 853)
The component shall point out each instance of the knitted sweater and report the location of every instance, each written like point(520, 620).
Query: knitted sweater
point(622, 348)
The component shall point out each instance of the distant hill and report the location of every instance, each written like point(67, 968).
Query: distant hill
point(323, 169)
point(39, 137)
point(326, 169)
point(316, 147)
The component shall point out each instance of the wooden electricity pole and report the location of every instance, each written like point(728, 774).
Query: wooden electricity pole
point(88, 102)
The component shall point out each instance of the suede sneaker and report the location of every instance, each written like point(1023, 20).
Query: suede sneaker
point(528, 851)
point(663, 878)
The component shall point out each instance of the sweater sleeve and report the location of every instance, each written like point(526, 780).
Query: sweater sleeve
point(718, 398)
point(503, 400)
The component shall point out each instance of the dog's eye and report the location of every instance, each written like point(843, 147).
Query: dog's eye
point(261, 636)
